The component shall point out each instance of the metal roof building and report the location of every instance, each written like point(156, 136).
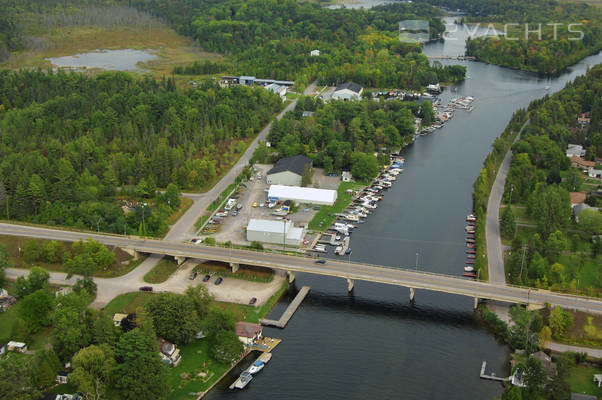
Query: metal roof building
point(302, 195)
point(275, 232)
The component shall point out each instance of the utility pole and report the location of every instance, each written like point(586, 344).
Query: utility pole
point(520, 276)
point(511, 190)
point(98, 224)
point(283, 234)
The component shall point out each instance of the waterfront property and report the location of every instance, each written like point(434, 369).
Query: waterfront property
point(248, 333)
point(302, 195)
point(288, 171)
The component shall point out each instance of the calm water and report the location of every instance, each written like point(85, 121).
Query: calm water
point(123, 60)
point(373, 344)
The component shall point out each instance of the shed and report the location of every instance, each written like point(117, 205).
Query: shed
point(16, 346)
point(288, 171)
point(248, 333)
point(348, 91)
point(278, 89)
point(275, 232)
point(62, 377)
point(117, 318)
point(314, 53)
point(324, 197)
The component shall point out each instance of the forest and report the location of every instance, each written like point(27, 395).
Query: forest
point(69, 140)
point(344, 135)
point(559, 252)
point(548, 55)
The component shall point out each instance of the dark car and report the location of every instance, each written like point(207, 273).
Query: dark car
point(206, 278)
point(219, 280)
point(193, 275)
point(320, 261)
point(146, 288)
point(253, 301)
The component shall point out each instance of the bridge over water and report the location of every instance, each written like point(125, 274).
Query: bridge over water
point(350, 271)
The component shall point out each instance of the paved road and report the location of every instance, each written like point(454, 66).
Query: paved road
point(495, 251)
point(561, 348)
point(355, 271)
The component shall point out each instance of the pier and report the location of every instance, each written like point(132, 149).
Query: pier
point(264, 357)
point(491, 377)
point(459, 58)
point(290, 310)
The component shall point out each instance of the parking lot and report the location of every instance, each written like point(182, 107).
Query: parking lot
point(252, 197)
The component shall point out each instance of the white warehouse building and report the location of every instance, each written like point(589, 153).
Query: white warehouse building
point(275, 231)
point(323, 197)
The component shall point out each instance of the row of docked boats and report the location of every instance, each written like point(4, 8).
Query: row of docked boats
point(247, 375)
point(444, 114)
point(469, 270)
point(366, 201)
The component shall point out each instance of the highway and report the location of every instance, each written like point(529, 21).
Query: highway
point(355, 271)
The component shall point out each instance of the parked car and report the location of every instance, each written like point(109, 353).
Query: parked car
point(234, 213)
point(193, 275)
point(253, 301)
point(146, 288)
point(255, 205)
point(320, 261)
point(206, 278)
point(219, 280)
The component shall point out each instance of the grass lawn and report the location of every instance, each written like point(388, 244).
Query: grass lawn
point(36, 342)
point(127, 303)
point(185, 203)
point(255, 274)
point(325, 216)
point(123, 264)
point(162, 271)
point(586, 330)
point(581, 379)
point(185, 378)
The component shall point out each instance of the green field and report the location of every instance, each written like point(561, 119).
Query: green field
point(325, 217)
point(127, 302)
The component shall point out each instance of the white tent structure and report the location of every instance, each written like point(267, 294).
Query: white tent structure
point(302, 195)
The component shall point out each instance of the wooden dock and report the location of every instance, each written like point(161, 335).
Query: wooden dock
point(290, 310)
point(492, 376)
point(265, 357)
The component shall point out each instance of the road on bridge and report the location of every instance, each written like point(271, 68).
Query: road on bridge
point(355, 271)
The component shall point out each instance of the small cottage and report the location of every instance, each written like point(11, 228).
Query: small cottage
point(248, 333)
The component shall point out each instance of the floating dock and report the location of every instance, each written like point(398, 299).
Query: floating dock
point(264, 357)
point(491, 377)
point(290, 310)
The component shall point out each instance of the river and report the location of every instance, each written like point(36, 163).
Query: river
point(372, 343)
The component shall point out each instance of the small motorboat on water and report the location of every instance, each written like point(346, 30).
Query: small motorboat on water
point(471, 217)
point(471, 256)
point(468, 268)
point(469, 228)
point(470, 252)
point(243, 380)
point(469, 274)
point(469, 261)
point(470, 245)
point(256, 367)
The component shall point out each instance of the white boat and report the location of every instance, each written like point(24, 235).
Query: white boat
point(243, 380)
point(471, 217)
point(338, 250)
point(351, 217)
point(469, 269)
point(256, 367)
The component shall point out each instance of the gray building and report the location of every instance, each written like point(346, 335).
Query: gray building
point(288, 171)
point(275, 232)
point(348, 91)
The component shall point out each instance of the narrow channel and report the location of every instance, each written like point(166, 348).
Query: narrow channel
point(372, 343)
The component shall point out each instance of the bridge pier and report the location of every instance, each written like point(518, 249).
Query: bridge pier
point(476, 303)
point(349, 284)
point(180, 260)
point(132, 253)
point(412, 294)
point(291, 276)
point(234, 267)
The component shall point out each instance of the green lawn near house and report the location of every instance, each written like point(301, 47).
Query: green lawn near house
point(581, 379)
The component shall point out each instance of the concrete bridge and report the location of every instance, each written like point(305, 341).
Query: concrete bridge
point(349, 271)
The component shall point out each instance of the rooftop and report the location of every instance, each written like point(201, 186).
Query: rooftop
point(577, 197)
point(302, 194)
point(268, 225)
point(580, 161)
point(294, 164)
point(248, 329)
point(354, 87)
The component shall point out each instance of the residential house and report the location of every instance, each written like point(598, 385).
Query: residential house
point(579, 208)
point(348, 91)
point(584, 120)
point(575, 150)
point(16, 346)
point(307, 114)
point(118, 318)
point(594, 173)
point(580, 163)
point(169, 352)
point(288, 171)
point(346, 176)
point(518, 378)
point(278, 89)
point(314, 53)
point(248, 333)
point(62, 377)
point(577, 198)
point(546, 362)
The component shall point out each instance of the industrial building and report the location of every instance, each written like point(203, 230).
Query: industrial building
point(275, 231)
point(323, 197)
point(288, 171)
point(348, 91)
